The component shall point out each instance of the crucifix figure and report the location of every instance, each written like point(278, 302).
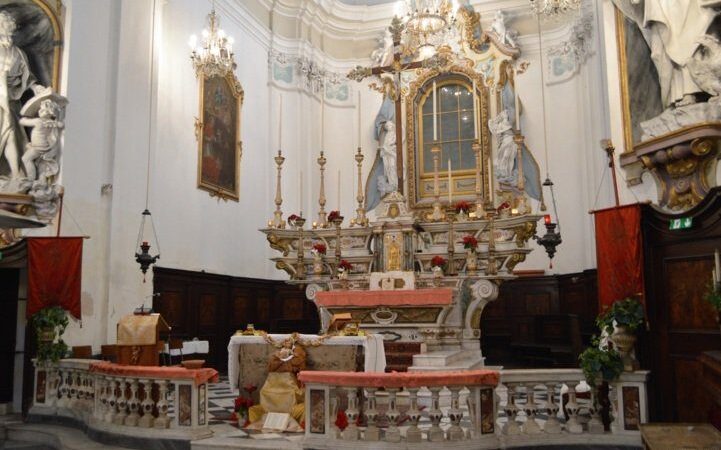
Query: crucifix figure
point(395, 69)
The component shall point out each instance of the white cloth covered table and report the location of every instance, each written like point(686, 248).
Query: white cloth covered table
point(373, 352)
point(189, 348)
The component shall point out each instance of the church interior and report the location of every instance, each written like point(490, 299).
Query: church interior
point(360, 224)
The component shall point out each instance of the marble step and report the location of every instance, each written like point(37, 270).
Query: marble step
point(445, 358)
point(19, 445)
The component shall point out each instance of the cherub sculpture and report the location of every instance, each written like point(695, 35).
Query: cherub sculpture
point(44, 142)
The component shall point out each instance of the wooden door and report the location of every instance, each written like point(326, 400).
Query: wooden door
point(8, 327)
point(678, 268)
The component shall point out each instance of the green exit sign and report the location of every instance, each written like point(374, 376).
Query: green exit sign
point(680, 224)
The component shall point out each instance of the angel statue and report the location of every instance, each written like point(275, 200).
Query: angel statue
point(42, 150)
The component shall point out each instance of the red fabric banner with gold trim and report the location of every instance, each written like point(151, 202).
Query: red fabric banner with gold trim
point(54, 271)
point(619, 254)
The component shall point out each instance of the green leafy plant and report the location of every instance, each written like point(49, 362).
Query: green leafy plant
point(600, 363)
point(50, 324)
point(713, 296)
point(623, 313)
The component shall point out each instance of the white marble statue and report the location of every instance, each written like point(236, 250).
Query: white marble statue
point(500, 127)
point(672, 29)
point(40, 157)
point(15, 79)
point(388, 182)
point(506, 36)
point(383, 54)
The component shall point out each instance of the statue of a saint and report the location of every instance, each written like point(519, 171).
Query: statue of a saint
point(389, 182)
point(500, 127)
point(671, 29)
point(394, 255)
point(15, 80)
point(505, 35)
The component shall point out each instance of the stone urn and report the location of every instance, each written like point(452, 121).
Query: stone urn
point(624, 341)
point(46, 334)
point(471, 260)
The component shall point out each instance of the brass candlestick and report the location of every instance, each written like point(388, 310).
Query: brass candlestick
point(322, 215)
point(300, 266)
point(277, 221)
point(360, 217)
point(491, 268)
point(437, 212)
point(479, 196)
point(450, 215)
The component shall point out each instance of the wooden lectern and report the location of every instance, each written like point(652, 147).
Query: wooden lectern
point(139, 341)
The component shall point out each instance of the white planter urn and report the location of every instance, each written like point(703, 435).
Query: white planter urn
point(624, 341)
point(471, 260)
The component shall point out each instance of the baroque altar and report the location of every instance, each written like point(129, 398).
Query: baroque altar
point(449, 206)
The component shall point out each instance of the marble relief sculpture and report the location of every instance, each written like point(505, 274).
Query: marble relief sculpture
point(680, 39)
point(28, 164)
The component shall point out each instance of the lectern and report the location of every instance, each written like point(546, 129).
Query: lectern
point(139, 341)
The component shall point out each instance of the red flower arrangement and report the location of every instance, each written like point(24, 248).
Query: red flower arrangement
point(320, 248)
point(345, 265)
point(503, 205)
point(242, 405)
point(438, 261)
point(333, 215)
point(463, 206)
point(470, 242)
point(292, 218)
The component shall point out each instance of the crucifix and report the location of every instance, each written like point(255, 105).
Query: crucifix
point(395, 68)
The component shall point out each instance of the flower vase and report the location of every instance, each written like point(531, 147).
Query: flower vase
point(471, 260)
point(624, 341)
point(317, 264)
point(437, 275)
point(462, 216)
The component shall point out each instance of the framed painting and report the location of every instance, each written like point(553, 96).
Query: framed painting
point(218, 133)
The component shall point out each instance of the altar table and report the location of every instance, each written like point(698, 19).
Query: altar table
point(374, 357)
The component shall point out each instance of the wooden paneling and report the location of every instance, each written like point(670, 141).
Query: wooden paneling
point(513, 315)
point(212, 307)
point(682, 325)
point(8, 327)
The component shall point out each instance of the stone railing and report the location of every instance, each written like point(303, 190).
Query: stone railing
point(480, 408)
point(133, 401)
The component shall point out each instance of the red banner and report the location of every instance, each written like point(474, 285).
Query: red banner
point(619, 254)
point(54, 269)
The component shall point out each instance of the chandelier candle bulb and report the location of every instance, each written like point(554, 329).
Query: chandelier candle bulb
point(435, 113)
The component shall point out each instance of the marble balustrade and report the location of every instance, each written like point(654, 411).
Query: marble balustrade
point(124, 400)
point(518, 407)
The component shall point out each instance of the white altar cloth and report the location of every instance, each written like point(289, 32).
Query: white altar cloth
point(373, 351)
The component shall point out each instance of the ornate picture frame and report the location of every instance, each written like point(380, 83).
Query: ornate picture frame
point(217, 130)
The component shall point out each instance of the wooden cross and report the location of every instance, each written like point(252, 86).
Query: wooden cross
point(395, 68)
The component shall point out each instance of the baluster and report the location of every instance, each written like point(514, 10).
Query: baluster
point(393, 434)
point(163, 421)
point(351, 431)
point(146, 406)
point(53, 385)
point(595, 425)
point(101, 404)
point(572, 408)
point(133, 405)
point(531, 408)
point(122, 402)
point(413, 434)
point(455, 414)
point(112, 400)
point(552, 425)
point(63, 388)
point(511, 427)
point(435, 433)
point(334, 401)
point(372, 432)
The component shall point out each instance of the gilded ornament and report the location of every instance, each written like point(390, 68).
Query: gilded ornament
point(524, 233)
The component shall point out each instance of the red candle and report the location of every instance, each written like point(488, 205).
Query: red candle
point(547, 219)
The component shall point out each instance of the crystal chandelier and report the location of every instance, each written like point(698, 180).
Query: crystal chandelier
point(554, 8)
point(425, 20)
point(214, 55)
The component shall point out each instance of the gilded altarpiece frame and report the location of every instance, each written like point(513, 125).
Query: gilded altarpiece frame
point(217, 131)
point(418, 89)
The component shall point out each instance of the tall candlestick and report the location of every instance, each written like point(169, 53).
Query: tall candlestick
point(280, 123)
point(277, 221)
point(475, 112)
point(359, 119)
point(435, 113)
point(322, 215)
point(360, 217)
point(450, 185)
point(322, 118)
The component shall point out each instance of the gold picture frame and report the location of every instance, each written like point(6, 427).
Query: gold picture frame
point(217, 130)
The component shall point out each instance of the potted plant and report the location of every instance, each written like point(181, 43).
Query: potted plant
point(462, 209)
point(600, 365)
point(470, 243)
point(620, 322)
point(50, 324)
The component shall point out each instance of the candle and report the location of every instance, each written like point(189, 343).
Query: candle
point(475, 112)
point(322, 118)
point(280, 123)
point(435, 111)
point(518, 109)
point(547, 219)
point(359, 119)
point(450, 184)
point(300, 194)
point(338, 191)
